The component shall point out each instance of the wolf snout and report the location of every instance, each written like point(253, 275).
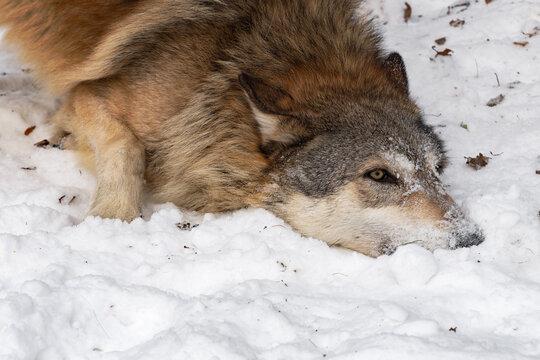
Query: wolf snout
point(462, 238)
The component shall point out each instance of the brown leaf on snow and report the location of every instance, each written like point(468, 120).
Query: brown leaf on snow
point(457, 22)
point(523, 43)
point(407, 12)
point(477, 162)
point(537, 172)
point(488, 1)
point(29, 130)
point(440, 41)
point(535, 32)
point(445, 52)
point(42, 143)
point(495, 101)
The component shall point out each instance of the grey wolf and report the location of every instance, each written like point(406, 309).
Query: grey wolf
point(215, 105)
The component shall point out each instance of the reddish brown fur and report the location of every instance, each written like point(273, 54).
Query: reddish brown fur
point(54, 35)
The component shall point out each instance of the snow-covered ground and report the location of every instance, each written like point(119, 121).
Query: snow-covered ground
point(243, 285)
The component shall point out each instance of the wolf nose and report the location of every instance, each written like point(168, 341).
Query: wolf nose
point(468, 239)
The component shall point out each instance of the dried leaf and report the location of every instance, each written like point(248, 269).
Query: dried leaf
point(453, 329)
point(495, 101)
point(29, 168)
point(29, 130)
point(488, 1)
point(537, 172)
point(535, 32)
point(440, 41)
point(523, 43)
point(186, 225)
point(407, 12)
point(513, 84)
point(42, 143)
point(464, 126)
point(445, 52)
point(457, 22)
point(478, 162)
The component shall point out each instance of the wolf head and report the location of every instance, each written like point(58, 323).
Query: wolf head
point(353, 164)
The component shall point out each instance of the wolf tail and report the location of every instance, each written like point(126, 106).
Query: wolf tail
point(73, 41)
point(57, 36)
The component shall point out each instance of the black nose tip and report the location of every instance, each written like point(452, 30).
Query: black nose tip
point(466, 239)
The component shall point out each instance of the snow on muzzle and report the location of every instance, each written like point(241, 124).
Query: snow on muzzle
point(429, 218)
point(461, 231)
point(465, 233)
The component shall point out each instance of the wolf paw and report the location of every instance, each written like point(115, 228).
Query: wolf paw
point(114, 211)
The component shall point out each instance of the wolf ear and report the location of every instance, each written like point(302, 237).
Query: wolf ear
point(395, 70)
point(270, 106)
point(267, 98)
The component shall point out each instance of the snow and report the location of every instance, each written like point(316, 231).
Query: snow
point(244, 285)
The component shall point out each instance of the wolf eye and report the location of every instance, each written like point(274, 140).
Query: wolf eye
point(382, 176)
point(378, 174)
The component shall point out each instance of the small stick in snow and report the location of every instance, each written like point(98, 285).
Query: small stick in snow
point(62, 199)
point(498, 82)
point(464, 5)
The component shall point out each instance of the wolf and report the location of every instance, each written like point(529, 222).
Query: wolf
point(215, 105)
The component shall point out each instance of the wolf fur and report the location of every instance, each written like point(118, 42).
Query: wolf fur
point(289, 105)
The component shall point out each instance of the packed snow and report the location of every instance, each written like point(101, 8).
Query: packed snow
point(243, 285)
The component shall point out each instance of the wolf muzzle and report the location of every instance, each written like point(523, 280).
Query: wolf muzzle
point(466, 239)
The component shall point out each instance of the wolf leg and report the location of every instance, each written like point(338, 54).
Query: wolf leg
point(109, 145)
